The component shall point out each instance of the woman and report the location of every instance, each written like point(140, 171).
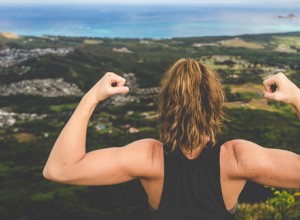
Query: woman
point(187, 177)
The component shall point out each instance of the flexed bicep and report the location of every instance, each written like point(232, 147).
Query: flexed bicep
point(110, 165)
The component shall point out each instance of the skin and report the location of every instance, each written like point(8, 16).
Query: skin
point(240, 160)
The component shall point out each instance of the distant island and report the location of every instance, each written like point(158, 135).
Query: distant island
point(289, 16)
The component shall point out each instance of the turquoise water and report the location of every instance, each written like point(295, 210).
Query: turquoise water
point(146, 21)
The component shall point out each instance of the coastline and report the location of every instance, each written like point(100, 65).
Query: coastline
point(146, 21)
point(13, 35)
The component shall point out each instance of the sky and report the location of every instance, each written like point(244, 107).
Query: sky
point(274, 2)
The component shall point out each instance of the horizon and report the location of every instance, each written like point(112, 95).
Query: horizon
point(281, 3)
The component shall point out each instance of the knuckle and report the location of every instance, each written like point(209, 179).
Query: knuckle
point(109, 73)
point(280, 74)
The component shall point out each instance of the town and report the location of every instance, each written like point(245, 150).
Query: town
point(12, 56)
point(8, 119)
point(41, 87)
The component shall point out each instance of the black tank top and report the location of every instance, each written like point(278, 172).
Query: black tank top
point(192, 188)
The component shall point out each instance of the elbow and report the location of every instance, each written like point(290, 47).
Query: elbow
point(47, 174)
point(50, 174)
point(54, 174)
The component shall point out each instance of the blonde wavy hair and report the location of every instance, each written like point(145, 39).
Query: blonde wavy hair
point(190, 109)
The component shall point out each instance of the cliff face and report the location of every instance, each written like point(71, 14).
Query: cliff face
point(9, 35)
point(7, 40)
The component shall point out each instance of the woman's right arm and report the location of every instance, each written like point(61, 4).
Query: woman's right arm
point(272, 167)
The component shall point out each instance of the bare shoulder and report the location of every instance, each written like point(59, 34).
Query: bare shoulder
point(147, 154)
point(149, 142)
point(146, 147)
point(234, 153)
point(236, 143)
point(236, 147)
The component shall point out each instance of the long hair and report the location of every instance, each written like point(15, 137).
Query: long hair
point(190, 108)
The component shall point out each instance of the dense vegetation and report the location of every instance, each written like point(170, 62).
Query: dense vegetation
point(24, 147)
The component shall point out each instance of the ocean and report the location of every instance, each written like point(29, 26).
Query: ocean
point(146, 21)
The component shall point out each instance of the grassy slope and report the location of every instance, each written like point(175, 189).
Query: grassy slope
point(21, 163)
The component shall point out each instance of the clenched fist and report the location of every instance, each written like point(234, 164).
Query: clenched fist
point(280, 88)
point(108, 85)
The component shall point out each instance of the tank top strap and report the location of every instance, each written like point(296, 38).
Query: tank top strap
point(167, 149)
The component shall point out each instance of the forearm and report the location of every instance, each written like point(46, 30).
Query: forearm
point(69, 149)
point(70, 146)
